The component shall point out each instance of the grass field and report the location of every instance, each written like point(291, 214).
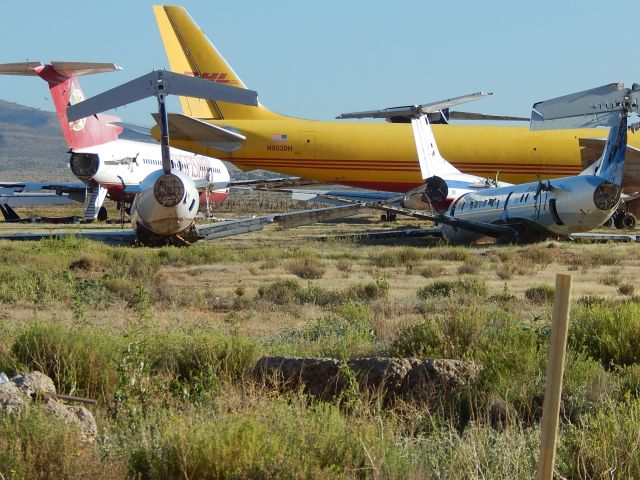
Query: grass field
point(165, 339)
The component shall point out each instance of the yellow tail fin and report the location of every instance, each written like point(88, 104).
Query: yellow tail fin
point(190, 52)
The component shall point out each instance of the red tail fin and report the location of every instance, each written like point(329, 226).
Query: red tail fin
point(65, 91)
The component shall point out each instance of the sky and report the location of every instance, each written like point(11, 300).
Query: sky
point(319, 59)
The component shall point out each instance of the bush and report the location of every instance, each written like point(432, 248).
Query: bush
point(470, 267)
point(626, 289)
point(343, 336)
point(540, 294)
point(432, 270)
point(450, 254)
point(452, 336)
point(443, 288)
point(80, 362)
point(367, 292)
point(537, 255)
point(36, 446)
point(607, 332)
point(186, 356)
point(280, 293)
point(273, 440)
point(607, 445)
point(305, 267)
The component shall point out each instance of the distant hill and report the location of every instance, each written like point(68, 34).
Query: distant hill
point(32, 147)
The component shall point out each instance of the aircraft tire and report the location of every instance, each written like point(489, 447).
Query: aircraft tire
point(609, 223)
point(628, 221)
point(102, 214)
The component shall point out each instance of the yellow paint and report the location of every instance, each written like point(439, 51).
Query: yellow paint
point(373, 155)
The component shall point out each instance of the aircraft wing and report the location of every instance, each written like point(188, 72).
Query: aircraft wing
point(183, 127)
point(338, 197)
point(31, 194)
point(24, 187)
point(212, 231)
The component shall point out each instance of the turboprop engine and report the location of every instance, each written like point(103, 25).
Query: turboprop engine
point(165, 208)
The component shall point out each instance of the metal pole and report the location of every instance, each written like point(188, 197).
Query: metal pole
point(555, 371)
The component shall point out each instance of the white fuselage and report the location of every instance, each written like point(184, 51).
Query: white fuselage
point(127, 163)
point(558, 207)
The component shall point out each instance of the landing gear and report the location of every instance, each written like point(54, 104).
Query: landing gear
point(388, 217)
point(102, 214)
point(608, 223)
point(621, 220)
point(625, 221)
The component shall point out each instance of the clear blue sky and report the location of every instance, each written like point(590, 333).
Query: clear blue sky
point(318, 59)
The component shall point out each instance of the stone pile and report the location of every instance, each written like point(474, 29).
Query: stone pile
point(409, 379)
point(36, 387)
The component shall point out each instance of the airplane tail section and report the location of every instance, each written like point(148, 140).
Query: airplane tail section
point(190, 52)
point(607, 106)
point(65, 90)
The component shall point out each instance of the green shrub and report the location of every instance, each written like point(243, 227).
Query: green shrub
point(608, 332)
point(306, 267)
point(470, 267)
point(432, 270)
point(587, 387)
point(367, 292)
point(540, 293)
point(36, 446)
point(607, 445)
point(386, 259)
point(185, 356)
point(343, 336)
point(274, 440)
point(450, 254)
point(79, 361)
point(462, 286)
point(537, 255)
point(281, 293)
point(627, 289)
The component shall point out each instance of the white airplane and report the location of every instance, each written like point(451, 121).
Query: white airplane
point(120, 168)
point(530, 211)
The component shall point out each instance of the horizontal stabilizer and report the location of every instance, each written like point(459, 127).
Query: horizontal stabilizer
point(133, 128)
point(67, 69)
point(599, 106)
point(182, 127)
point(148, 86)
point(458, 115)
point(415, 110)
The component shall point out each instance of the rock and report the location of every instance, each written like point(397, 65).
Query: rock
point(12, 399)
point(408, 378)
point(79, 416)
point(430, 380)
point(317, 376)
point(35, 384)
point(381, 374)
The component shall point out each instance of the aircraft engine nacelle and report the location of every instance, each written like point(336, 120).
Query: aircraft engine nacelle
point(416, 200)
point(165, 208)
point(84, 165)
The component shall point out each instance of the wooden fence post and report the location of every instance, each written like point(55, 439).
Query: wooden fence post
point(555, 371)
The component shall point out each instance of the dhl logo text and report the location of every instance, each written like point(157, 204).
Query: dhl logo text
point(213, 77)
